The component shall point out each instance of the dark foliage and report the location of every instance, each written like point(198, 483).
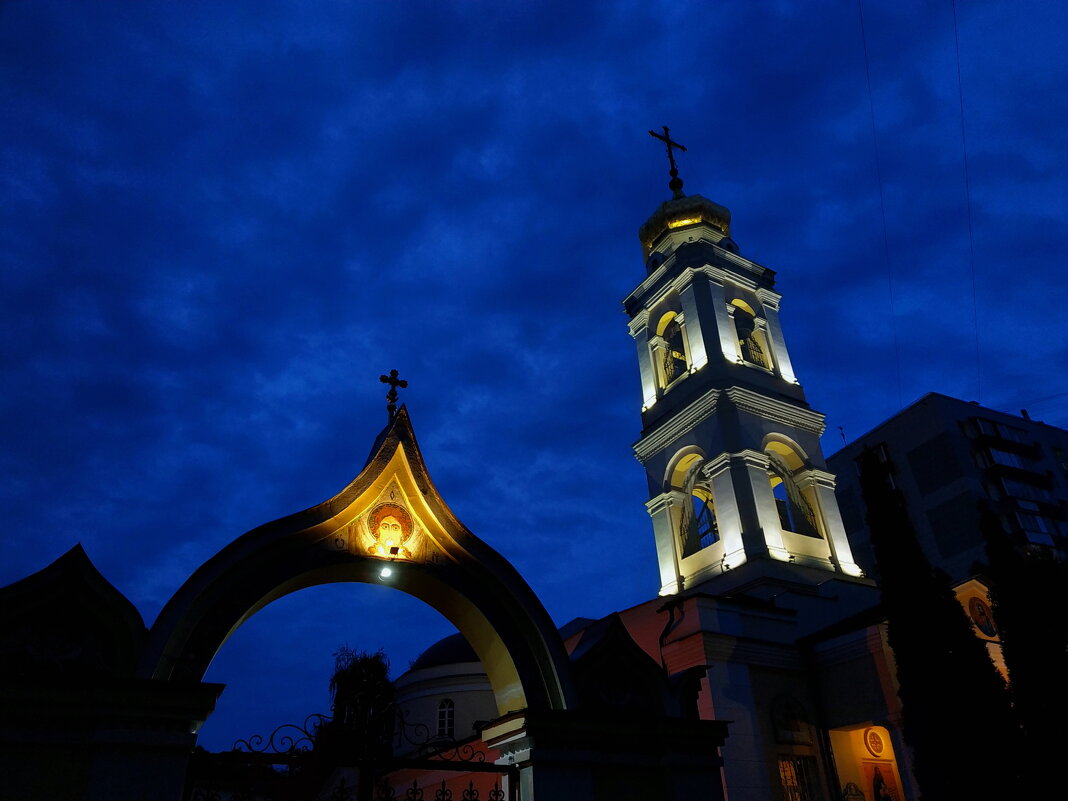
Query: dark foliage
point(362, 705)
point(954, 702)
point(1027, 596)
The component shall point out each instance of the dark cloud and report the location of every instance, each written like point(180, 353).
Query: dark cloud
point(220, 222)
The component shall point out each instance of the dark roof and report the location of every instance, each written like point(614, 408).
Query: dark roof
point(68, 619)
point(450, 650)
point(455, 648)
point(575, 626)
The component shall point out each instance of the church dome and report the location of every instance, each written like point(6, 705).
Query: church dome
point(448, 651)
point(681, 212)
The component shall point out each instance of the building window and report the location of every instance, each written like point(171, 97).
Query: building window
point(447, 718)
point(1006, 458)
point(1020, 489)
point(1062, 458)
point(672, 348)
point(704, 518)
point(751, 341)
point(799, 778)
point(698, 527)
point(790, 721)
point(1039, 530)
point(795, 512)
point(1002, 431)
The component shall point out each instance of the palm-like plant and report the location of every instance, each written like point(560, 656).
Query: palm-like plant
point(362, 705)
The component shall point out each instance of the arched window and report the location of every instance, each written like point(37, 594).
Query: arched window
point(704, 517)
point(671, 349)
point(790, 720)
point(698, 527)
point(795, 512)
point(447, 718)
point(751, 341)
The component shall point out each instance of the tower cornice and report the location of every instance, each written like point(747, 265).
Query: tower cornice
point(768, 297)
point(638, 322)
point(660, 282)
point(713, 467)
point(814, 477)
point(665, 500)
point(672, 428)
point(751, 458)
point(748, 401)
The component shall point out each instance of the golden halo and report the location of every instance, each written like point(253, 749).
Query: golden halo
point(384, 510)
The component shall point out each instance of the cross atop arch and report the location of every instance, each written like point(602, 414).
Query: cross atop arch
point(391, 396)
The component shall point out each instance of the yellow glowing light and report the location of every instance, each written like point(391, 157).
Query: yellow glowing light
point(682, 222)
point(391, 527)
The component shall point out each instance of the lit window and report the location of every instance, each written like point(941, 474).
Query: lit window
point(800, 778)
point(673, 354)
point(750, 338)
point(698, 527)
point(447, 718)
point(795, 512)
point(705, 531)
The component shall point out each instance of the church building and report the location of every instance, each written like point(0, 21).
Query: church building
point(758, 588)
point(757, 670)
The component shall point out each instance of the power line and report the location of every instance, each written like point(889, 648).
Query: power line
point(968, 197)
point(882, 205)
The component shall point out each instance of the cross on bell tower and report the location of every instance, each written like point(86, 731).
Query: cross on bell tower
point(675, 184)
point(739, 490)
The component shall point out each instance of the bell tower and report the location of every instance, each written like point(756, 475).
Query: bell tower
point(739, 491)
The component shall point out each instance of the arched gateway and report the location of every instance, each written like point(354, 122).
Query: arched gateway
point(388, 526)
point(604, 721)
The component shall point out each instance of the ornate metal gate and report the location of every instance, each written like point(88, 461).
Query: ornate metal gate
point(316, 761)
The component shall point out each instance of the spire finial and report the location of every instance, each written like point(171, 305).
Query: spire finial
point(675, 185)
point(391, 396)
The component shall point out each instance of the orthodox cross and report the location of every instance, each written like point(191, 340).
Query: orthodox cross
point(675, 185)
point(391, 396)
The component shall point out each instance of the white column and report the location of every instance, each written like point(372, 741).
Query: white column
point(732, 350)
point(695, 338)
point(764, 514)
point(639, 329)
point(770, 301)
point(762, 325)
point(728, 336)
point(728, 517)
point(664, 509)
point(822, 484)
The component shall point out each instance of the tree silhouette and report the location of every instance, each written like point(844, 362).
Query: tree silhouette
point(361, 729)
point(1027, 598)
point(954, 702)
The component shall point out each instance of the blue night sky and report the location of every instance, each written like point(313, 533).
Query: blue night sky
point(221, 222)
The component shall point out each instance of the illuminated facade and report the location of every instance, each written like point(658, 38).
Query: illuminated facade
point(730, 447)
point(756, 575)
point(761, 616)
